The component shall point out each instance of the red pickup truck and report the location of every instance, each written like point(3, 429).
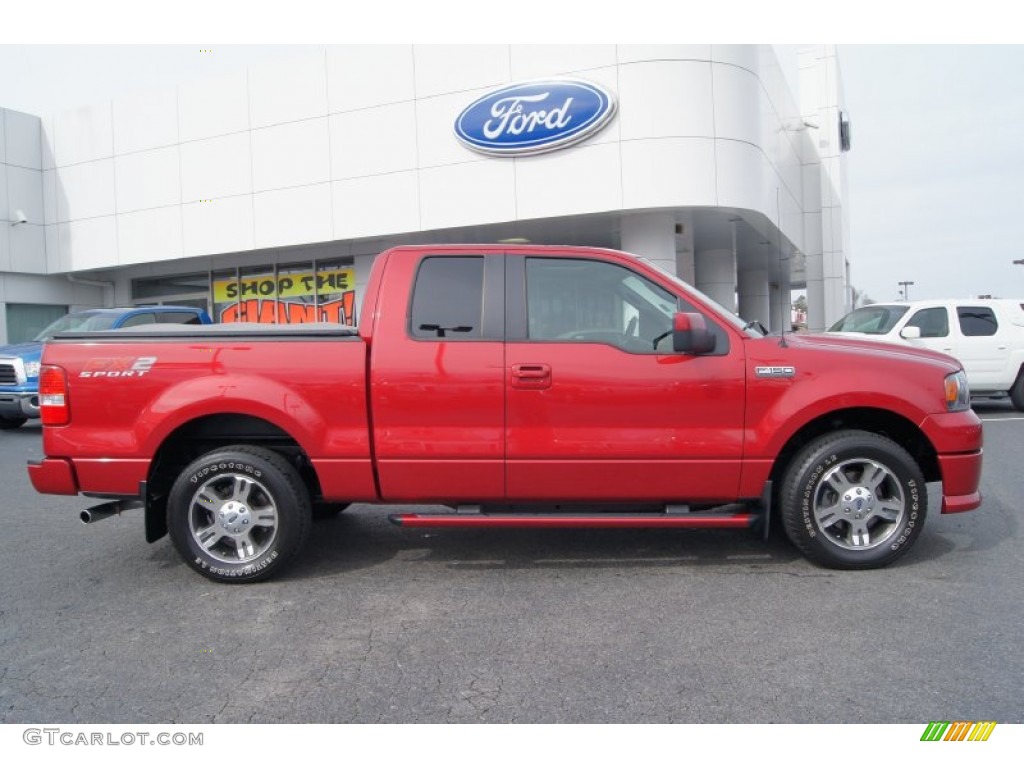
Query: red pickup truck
point(518, 386)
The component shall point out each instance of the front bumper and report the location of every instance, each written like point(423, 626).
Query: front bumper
point(19, 405)
point(957, 438)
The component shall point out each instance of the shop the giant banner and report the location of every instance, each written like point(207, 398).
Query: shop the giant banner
point(289, 297)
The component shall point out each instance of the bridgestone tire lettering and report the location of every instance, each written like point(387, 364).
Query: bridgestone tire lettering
point(280, 494)
point(853, 500)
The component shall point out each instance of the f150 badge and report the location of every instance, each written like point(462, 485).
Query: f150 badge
point(775, 371)
point(116, 367)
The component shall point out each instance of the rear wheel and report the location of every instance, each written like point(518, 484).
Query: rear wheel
point(238, 514)
point(853, 500)
point(9, 423)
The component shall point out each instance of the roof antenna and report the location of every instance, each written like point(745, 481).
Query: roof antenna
point(785, 299)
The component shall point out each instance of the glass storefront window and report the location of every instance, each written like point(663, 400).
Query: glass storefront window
point(25, 321)
point(306, 292)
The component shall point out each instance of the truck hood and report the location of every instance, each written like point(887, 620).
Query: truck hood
point(864, 345)
point(27, 351)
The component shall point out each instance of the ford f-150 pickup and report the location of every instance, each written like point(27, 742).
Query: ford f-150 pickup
point(516, 386)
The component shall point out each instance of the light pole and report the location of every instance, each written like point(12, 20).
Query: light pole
point(905, 288)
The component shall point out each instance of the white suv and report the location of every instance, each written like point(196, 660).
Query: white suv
point(985, 335)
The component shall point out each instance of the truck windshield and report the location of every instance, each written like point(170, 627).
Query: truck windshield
point(78, 321)
point(875, 319)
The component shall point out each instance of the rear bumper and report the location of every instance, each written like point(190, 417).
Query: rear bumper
point(55, 476)
point(19, 405)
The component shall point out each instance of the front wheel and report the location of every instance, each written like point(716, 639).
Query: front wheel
point(853, 500)
point(238, 514)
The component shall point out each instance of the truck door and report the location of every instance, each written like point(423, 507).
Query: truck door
point(982, 347)
point(598, 408)
point(437, 378)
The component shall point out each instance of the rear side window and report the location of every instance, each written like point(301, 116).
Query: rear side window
point(144, 319)
point(933, 322)
point(447, 300)
point(181, 318)
point(977, 321)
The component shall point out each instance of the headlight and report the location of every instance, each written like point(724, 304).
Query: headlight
point(32, 369)
point(958, 394)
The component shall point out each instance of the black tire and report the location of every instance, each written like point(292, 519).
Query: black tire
point(238, 514)
point(853, 500)
point(1017, 391)
point(325, 510)
point(9, 423)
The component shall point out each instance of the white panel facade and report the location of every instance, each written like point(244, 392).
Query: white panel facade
point(436, 142)
point(643, 117)
point(579, 180)
point(453, 68)
point(283, 91)
point(83, 135)
point(631, 53)
point(22, 135)
point(291, 155)
point(150, 235)
point(28, 248)
point(645, 184)
point(214, 168)
point(150, 179)
point(5, 211)
point(85, 190)
point(25, 193)
point(213, 107)
point(374, 141)
point(218, 226)
point(88, 244)
point(374, 204)
point(298, 215)
point(145, 122)
point(451, 195)
point(530, 62)
point(348, 87)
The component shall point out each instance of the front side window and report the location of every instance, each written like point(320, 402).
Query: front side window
point(447, 299)
point(595, 301)
point(933, 322)
point(977, 321)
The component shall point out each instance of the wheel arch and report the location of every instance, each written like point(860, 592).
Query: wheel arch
point(876, 420)
point(203, 434)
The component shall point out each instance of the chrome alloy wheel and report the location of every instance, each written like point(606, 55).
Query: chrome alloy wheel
point(859, 504)
point(233, 518)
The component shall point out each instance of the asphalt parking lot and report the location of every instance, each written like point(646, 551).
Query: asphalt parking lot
point(380, 624)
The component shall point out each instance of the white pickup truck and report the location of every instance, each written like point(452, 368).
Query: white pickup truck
point(985, 335)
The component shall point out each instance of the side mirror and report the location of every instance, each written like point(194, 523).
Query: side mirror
point(690, 334)
point(911, 332)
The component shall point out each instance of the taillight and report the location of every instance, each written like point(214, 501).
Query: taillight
point(53, 396)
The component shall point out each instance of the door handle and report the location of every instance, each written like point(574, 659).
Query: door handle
point(531, 376)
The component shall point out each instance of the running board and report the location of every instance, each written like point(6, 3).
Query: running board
point(543, 520)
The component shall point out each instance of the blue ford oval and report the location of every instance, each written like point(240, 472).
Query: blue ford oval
point(534, 117)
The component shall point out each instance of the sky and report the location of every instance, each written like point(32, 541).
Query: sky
point(934, 173)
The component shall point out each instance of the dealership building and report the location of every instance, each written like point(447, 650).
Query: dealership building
point(265, 194)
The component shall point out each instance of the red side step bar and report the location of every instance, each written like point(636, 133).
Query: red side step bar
point(735, 520)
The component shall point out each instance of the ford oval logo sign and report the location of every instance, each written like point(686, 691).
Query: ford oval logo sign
point(534, 117)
